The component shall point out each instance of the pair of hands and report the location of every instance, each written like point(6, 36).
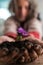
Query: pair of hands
point(9, 39)
point(30, 38)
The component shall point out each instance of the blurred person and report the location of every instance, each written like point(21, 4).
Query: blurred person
point(25, 17)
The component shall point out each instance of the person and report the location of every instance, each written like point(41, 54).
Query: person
point(24, 15)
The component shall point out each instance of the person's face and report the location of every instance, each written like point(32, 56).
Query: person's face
point(22, 10)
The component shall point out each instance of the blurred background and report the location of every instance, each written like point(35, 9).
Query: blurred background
point(4, 12)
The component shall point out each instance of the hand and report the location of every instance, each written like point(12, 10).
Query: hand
point(33, 39)
point(30, 38)
point(6, 38)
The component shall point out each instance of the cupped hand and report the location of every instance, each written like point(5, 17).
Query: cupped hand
point(6, 38)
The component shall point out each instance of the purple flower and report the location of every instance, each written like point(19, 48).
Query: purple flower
point(22, 31)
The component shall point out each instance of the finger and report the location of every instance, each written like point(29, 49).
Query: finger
point(28, 45)
point(33, 55)
point(21, 59)
point(38, 49)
